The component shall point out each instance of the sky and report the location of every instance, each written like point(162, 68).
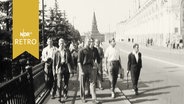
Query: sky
point(80, 13)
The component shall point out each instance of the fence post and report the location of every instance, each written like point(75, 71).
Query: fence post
point(30, 78)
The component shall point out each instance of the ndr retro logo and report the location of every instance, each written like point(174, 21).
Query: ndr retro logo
point(25, 39)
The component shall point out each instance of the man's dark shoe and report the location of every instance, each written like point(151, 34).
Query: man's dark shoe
point(102, 80)
point(121, 76)
point(52, 97)
point(88, 95)
point(136, 93)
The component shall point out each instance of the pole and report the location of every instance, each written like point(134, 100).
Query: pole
point(43, 23)
point(7, 13)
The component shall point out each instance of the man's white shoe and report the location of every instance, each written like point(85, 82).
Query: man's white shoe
point(113, 95)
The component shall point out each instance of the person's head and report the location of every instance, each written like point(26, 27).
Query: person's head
point(112, 42)
point(136, 47)
point(88, 42)
point(75, 46)
point(50, 41)
point(61, 43)
point(92, 43)
point(97, 42)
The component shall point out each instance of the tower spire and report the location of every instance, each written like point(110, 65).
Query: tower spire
point(94, 25)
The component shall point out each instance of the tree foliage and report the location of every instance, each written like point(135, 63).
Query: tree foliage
point(57, 26)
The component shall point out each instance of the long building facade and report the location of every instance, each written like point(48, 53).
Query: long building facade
point(159, 20)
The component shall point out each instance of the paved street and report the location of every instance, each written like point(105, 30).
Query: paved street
point(161, 79)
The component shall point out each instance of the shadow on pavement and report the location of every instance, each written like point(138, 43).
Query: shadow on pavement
point(109, 95)
point(142, 100)
point(148, 92)
point(145, 95)
point(159, 88)
point(122, 85)
point(149, 82)
point(141, 95)
point(143, 92)
point(112, 100)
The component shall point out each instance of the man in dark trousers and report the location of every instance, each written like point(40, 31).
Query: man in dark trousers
point(61, 70)
point(87, 71)
point(112, 64)
point(134, 66)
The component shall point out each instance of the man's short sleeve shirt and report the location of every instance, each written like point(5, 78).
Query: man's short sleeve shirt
point(112, 53)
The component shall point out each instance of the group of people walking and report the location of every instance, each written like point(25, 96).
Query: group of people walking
point(62, 61)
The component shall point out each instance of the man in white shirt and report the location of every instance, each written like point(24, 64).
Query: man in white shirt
point(47, 56)
point(112, 64)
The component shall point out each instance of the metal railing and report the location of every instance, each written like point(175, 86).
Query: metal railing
point(18, 90)
point(26, 88)
point(40, 89)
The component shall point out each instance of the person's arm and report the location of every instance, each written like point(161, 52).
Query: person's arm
point(54, 66)
point(120, 63)
point(80, 60)
point(140, 60)
point(129, 63)
point(102, 53)
point(68, 61)
point(44, 55)
point(97, 56)
point(106, 58)
point(106, 70)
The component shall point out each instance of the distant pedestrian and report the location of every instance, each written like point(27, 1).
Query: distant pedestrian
point(134, 66)
point(112, 64)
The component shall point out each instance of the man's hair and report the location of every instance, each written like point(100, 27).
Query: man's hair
point(135, 45)
point(92, 39)
point(61, 39)
point(96, 40)
point(49, 38)
point(111, 40)
point(89, 38)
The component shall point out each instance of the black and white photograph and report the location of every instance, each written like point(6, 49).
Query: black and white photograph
point(97, 52)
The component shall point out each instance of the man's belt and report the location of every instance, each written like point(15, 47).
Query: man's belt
point(90, 64)
point(114, 61)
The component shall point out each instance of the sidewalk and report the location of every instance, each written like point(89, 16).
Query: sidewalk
point(104, 96)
